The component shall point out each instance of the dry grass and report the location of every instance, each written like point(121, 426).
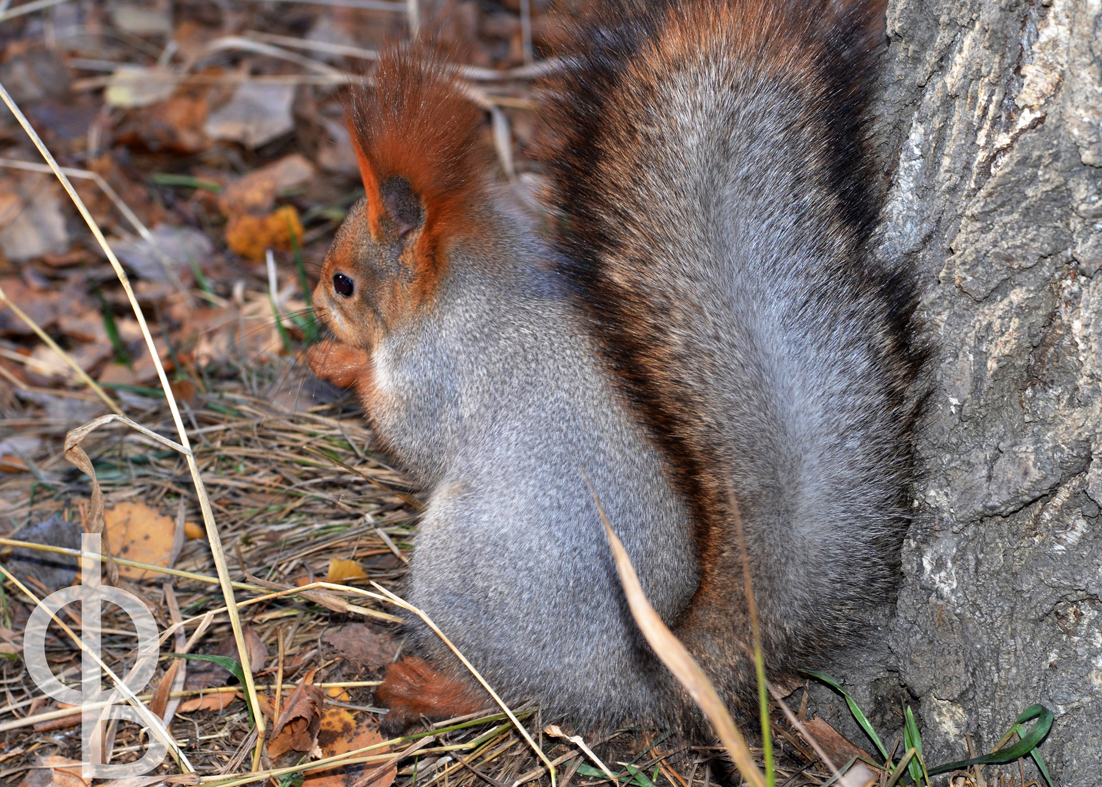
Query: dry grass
point(290, 491)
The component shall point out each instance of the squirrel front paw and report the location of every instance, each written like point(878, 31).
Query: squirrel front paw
point(341, 364)
point(413, 689)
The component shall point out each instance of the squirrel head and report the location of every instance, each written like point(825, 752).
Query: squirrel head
point(418, 140)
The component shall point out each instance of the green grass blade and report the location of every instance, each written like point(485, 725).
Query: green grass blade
point(122, 355)
point(310, 324)
point(902, 768)
point(912, 740)
point(226, 663)
point(638, 778)
point(1025, 746)
point(1037, 758)
point(187, 181)
point(585, 769)
point(858, 715)
point(200, 280)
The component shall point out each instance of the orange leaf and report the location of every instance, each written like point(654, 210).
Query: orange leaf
point(338, 694)
point(250, 235)
point(341, 733)
point(54, 771)
point(194, 531)
point(137, 532)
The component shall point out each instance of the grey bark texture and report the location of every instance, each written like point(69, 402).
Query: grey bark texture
point(992, 123)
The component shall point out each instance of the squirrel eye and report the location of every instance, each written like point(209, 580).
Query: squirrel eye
point(343, 285)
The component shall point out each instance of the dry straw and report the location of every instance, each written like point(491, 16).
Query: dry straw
point(185, 445)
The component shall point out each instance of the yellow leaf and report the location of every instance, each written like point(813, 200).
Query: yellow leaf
point(341, 570)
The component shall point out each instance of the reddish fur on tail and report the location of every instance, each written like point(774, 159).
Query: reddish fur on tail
point(413, 689)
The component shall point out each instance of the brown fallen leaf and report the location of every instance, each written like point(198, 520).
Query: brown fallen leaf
point(341, 570)
point(159, 703)
point(256, 192)
point(840, 748)
point(364, 646)
point(184, 390)
point(42, 306)
point(250, 236)
point(295, 734)
point(175, 125)
point(13, 464)
point(38, 225)
point(64, 723)
point(257, 113)
point(340, 733)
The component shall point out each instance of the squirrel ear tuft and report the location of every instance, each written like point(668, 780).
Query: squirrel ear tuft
point(419, 142)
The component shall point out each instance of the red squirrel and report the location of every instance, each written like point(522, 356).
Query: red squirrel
point(704, 319)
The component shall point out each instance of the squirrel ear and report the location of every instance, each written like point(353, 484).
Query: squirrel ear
point(393, 198)
point(402, 206)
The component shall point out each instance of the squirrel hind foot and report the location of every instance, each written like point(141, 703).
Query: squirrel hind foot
point(414, 689)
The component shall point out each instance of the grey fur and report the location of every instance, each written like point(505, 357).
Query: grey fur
point(505, 412)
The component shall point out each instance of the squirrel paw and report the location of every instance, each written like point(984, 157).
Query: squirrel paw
point(414, 689)
point(339, 363)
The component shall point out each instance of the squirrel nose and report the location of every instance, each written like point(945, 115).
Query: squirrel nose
point(343, 285)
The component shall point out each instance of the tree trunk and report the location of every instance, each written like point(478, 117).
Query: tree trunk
point(992, 119)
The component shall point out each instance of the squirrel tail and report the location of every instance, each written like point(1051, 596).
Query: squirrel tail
point(717, 198)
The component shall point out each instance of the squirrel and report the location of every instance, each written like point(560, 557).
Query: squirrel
point(702, 331)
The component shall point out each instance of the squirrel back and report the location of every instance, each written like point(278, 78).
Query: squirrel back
point(705, 337)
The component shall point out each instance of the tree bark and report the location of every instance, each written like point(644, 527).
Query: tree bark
point(991, 117)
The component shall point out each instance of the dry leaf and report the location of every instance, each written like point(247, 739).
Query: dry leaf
point(54, 771)
point(39, 226)
point(341, 733)
point(341, 570)
point(257, 113)
point(296, 732)
point(256, 192)
point(194, 531)
point(64, 723)
point(207, 702)
point(137, 532)
point(364, 646)
point(135, 86)
point(178, 247)
point(250, 236)
point(184, 390)
point(12, 464)
point(42, 306)
point(159, 702)
point(840, 748)
point(175, 125)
